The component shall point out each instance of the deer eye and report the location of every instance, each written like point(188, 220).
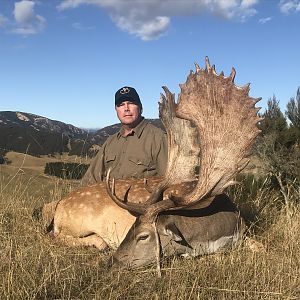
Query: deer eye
point(143, 237)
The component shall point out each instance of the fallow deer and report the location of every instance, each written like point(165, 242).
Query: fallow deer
point(211, 130)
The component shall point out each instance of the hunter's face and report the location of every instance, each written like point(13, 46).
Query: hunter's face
point(128, 113)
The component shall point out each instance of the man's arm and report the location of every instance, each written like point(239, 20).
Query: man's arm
point(96, 170)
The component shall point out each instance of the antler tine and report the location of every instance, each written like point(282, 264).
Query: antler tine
point(213, 68)
point(232, 74)
point(257, 100)
point(157, 194)
point(146, 186)
point(132, 207)
point(207, 63)
point(197, 67)
point(246, 87)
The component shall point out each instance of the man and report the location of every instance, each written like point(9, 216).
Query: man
point(138, 150)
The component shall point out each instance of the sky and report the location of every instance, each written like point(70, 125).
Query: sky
point(65, 59)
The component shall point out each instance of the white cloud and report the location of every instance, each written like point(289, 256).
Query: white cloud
point(24, 11)
point(146, 29)
point(28, 22)
point(265, 20)
point(289, 6)
point(150, 19)
point(75, 3)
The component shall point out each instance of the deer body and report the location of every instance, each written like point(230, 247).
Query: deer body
point(88, 216)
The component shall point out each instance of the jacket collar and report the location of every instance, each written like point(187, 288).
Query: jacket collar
point(138, 130)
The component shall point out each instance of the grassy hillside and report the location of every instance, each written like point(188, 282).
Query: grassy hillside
point(26, 172)
point(33, 266)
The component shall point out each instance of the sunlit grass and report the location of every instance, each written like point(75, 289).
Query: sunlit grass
point(33, 266)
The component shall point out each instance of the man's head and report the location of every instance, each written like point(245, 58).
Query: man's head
point(128, 106)
point(127, 93)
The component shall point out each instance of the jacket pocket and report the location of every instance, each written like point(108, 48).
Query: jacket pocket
point(144, 163)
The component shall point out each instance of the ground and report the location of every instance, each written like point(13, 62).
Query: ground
point(33, 266)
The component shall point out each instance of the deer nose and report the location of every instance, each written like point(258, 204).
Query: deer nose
point(110, 262)
point(113, 263)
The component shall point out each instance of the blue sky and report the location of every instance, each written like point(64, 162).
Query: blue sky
point(65, 59)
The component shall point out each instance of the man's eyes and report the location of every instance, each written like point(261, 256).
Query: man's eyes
point(128, 103)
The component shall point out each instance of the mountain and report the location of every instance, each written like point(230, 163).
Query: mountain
point(37, 135)
point(109, 130)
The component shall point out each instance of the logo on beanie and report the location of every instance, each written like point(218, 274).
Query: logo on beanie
point(124, 90)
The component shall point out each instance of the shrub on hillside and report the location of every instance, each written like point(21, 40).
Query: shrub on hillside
point(4, 160)
point(66, 170)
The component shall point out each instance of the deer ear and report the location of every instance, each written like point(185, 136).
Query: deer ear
point(172, 231)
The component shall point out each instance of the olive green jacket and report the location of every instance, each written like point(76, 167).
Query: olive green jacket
point(143, 153)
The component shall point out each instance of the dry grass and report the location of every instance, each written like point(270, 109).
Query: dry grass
point(36, 165)
point(33, 266)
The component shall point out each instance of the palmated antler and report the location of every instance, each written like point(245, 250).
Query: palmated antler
point(183, 142)
point(226, 118)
